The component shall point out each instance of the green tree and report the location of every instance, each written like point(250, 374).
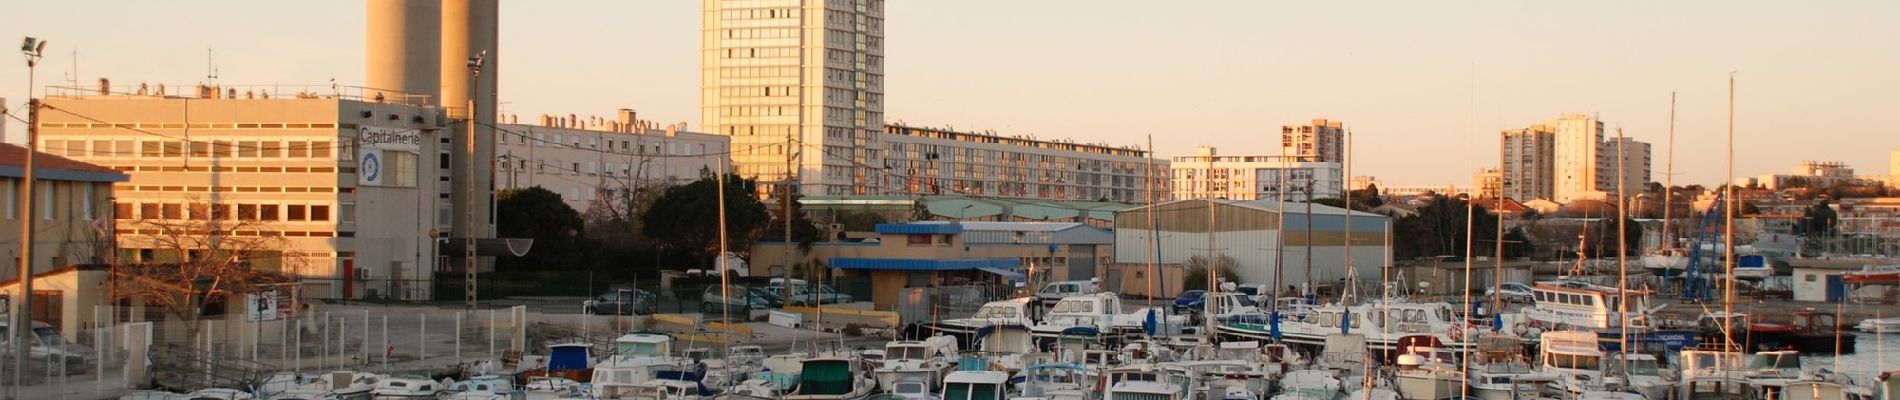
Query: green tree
point(685, 218)
point(1439, 230)
point(1819, 220)
point(1195, 278)
point(541, 215)
point(804, 232)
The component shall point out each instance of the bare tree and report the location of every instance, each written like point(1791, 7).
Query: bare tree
point(201, 263)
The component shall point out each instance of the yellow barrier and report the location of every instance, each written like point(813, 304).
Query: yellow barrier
point(887, 317)
point(676, 319)
point(729, 328)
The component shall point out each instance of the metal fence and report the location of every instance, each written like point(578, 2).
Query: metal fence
point(946, 302)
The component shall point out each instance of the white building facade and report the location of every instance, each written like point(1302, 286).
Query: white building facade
point(593, 160)
point(806, 72)
point(1250, 233)
point(1529, 163)
point(1207, 174)
point(935, 161)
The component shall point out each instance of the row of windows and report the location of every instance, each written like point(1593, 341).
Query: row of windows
point(757, 14)
point(294, 149)
point(767, 52)
point(48, 201)
point(542, 139)
point(229, 212)
point(156, 125)
point(273, 170)
point(232, 189)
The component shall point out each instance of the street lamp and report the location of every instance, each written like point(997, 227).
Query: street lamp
point(33, 48)
point(468, 236)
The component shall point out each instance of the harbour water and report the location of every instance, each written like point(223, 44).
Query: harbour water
point(1873, 353)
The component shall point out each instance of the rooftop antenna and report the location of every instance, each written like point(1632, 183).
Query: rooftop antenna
point(211, 67)
point(74, 78)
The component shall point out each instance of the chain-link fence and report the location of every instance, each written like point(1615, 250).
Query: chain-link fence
point(920, 304)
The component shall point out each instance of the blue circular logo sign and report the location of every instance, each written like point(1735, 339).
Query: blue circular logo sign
point(371, 167)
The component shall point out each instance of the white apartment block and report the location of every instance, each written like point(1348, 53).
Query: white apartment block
point(1318, 141)
point(1488, 183)
point(1207, 174)
point(1579, 159)
point(803, 71)
point(937, 161)
point(1528, 163)
point(591, 160)
point(346, 180)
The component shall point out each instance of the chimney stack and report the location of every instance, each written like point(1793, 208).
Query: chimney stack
point(403, 46)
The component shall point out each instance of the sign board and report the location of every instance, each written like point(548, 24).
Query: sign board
point(264, 306)
point(389, 138)
point(369, 166)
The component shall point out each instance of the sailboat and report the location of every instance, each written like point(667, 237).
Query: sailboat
point(1669, 259)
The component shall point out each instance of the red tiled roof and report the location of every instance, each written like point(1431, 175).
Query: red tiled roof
point(60, 168)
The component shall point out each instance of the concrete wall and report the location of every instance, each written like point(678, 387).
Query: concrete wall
point(69, 237)
point(79, 292)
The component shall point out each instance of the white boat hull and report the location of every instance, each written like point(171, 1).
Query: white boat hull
point(1664, 261)
point(1881, 325)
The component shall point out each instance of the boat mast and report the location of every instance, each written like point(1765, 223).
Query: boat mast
point(1465, 366)
point(1279, 234)
point(725, 287)
point(1669, 175)
point(1728, 219)
point(1213, 273)
point(1349, 294)
point(1622, 254)
point(1147, 193)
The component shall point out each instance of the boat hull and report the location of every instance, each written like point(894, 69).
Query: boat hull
point(1663, 340)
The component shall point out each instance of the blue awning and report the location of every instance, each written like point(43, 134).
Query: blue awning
point(922, 264)
point(1003, 272)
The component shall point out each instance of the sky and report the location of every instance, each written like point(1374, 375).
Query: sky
point(1424, 86)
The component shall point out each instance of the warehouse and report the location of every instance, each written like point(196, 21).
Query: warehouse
point(1249, 233)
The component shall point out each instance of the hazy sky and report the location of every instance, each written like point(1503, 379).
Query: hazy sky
point(1425, 86)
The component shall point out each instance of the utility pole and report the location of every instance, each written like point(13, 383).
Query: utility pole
point(22, 313)
point(469, 263)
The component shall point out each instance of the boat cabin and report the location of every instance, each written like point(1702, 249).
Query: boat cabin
point(643, 344)
point(1587, 306)
point(975, 385)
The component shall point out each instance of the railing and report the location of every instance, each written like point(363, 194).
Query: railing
point(341, 92)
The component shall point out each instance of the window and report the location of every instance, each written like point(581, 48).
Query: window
point(122, 211)
point(173, 211)
point(270, 149)
point(267, 212)
point(86, 201)
point(221, 149)
point(172, 149)
point(1805, 277)
point(149, 148)
point(200, 211)
point(247, 212)
point(319, 213)
point(296, 212)
point(346, 212)
point(299, 149)
point(148, 211)
point(47, 206)
point(918, 240)
point(247, 149)
point(221, 212)
point(200, 149)
point(12, 196)
point(320, 149)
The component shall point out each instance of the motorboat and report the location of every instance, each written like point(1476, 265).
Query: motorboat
point(1018, 311)
point(408, 388)
point(1428, 373)
point(1094, 310)
point(340, 385)
point(635, 359)
point(1712, 374)
point(1768, 373)
point(553, 385)
point(1807, 331)
point(1309, 384)
point(1147, 382)
point(486, 387)
point(930, 358)
point(975, 385)
point(1002, 346)
point(285, 381)
point(1572, 305)
point(1574, 357)
point(832, 376)
point(911, 388)
point(1825, 385)
point(571, 360)
point(1873, 275)
point(1887, 385)
point(219, 394)
point(1666, 262)
point(1639, 373)
point(1382, 322)
point(1879, 325)
point(663, 389)
point(1053, 381)
point(1229, 378)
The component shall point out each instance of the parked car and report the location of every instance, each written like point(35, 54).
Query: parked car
point(805, 293)
point(743, 300)
point(1191, 301)
point(1512, 290)
point(772, 299)
point(1056, 291)
point(622, 302)
point(48, 343)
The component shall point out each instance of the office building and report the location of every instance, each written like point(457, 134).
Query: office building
point(936, 161)
point(806, 72)
point(345, 180)
point(1207, 174)
point(595, 161)
point(937, 253)
point(1319, 141)
point(1528, 163)
point(1488, 183)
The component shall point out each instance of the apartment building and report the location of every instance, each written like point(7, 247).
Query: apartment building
point(1488, 183)
point(72, 201)
point(938, 161)
point(1318, 141)
point(1207, 174)
point(592, 160)
point(1528, 163)
point(1634, 160)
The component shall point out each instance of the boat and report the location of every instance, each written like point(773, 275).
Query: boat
point(1879, 325)
point(1572, 305)
point(1018, 311)
point(486, 387)
point(1712, 374)
point(219, 394)
point(1053, 381)
point(1002, 346)
point(408, 388)
point(1825, 385)
point(1574, 357)
point(1887, 385)
point(1227, 377)
point(1666, 262)
point(832, 376)
point(975, 385)
point(1873, 275)
point(636, 359)
point(1499, 372)
point(1093, 310)
point(571, 360)
point(1309, 384)
point(1382, 322)
point(284, 381)
point(340, 385)
point(554, 385)
point(1638, 373)
point(1428, 373)
point(911, 388)
point(1807, 331)
point(1147, 382)
point(930, 359)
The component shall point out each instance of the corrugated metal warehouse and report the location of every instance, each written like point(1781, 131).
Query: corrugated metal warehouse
point(1249, 233)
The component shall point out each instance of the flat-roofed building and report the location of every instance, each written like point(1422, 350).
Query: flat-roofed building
point(936, 161)
point(591, 161)
point(350, 183)
point(72, 201)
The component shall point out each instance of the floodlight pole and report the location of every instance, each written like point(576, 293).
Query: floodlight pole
point(23, 299)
